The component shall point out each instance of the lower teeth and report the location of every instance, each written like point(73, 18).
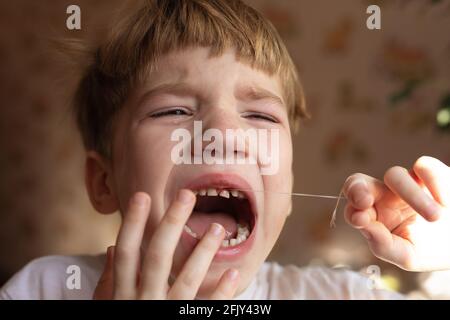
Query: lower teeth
point(189, 231)
point(242, 234)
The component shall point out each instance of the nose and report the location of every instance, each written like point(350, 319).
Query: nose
point(222, 119)
point(224, 128)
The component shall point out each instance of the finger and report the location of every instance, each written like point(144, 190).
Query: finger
point(436, 177)
point(390, 217)
point(400, 181)
point(194, 271)
point(387, 246)
point(104, 288)
point(381, 241)
point(362, 191)
point(359, 219)
point(127, 251)
point(159, 254)
point(227, 286)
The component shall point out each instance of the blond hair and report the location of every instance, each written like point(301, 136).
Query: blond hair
point(159, 27)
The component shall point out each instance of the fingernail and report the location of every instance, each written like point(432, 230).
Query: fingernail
point(362, 191)
point(361, 182)
point(140, 199)
point(216, 229)
point(433, 208)
point(185, 196)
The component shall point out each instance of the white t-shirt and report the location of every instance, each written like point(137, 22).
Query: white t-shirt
point(47, 278)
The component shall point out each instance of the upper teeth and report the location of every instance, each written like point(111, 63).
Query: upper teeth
point(212, 192)
point(224, 193)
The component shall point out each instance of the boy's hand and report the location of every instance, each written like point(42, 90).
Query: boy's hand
point(406, 219)
point(127, 275)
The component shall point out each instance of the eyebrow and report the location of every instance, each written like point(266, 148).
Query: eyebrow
point(179, 88)
point(243, 93)
point(254, 93)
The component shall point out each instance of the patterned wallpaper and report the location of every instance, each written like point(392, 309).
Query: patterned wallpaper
point(374, 94)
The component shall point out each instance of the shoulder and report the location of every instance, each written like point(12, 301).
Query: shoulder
point(55, 277)
point(292, 282)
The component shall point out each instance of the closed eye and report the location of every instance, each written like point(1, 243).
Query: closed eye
point(260, 116)
point(172, 112)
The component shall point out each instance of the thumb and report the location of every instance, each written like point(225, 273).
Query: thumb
point(104, 289)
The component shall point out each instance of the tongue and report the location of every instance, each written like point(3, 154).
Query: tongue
point(199, 222)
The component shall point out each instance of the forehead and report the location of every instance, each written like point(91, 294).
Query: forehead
point(195, 66)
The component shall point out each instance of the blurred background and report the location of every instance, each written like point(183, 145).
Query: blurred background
point(378, 98)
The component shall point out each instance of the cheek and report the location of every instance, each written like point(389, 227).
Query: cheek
point(282, 180)
point(144, 164)
point(149, 153)
point(274, 222)
point(277, 206)
point(286, 152)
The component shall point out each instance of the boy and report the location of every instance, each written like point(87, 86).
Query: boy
point(202, 229)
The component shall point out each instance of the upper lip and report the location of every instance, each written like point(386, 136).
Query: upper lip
point(225, 181)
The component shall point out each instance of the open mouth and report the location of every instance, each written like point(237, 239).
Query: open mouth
point(230, 208)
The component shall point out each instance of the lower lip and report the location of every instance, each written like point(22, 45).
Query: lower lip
point(224, 253)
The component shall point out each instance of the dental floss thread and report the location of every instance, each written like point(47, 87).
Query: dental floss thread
point(333, 216)
point(297, 194)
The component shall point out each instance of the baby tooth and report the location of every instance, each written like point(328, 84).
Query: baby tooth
point(195, 192)
point(225, 243)
point(202, 192)
point(189, 231)
point(234, 193)
point(241, 195)
point(241, 226)
point(224, 193)
point(212, 192)
point(233, 242)
point(243, 230)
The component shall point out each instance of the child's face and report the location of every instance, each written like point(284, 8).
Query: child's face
point(216, 92)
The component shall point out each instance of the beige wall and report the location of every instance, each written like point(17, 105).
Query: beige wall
point(349, 73)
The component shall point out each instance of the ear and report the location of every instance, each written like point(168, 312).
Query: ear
point(99, 183)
